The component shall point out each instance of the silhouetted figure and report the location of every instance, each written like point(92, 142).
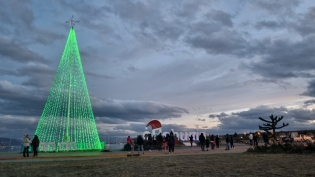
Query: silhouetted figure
point(227, 141)
point(170, 143)
point(266, 139)
point(191, 139)
point(217, 141)
point(231, 142)
point(255, 139)
point(35, 144)
point(202, 141)
point(150, 142)
point(140, 143)
point(159, 140)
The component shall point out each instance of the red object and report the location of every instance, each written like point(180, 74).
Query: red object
point(176, 140)
point(155, 124)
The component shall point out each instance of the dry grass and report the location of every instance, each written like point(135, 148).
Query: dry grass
point(181, 165)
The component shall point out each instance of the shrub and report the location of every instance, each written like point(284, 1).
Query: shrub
point(285, 148)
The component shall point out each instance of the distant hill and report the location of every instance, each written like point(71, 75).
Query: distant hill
point(6, 142)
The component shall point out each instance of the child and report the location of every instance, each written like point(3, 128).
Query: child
point(164, 144)
point(207, 144)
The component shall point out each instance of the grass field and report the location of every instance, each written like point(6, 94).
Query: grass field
point(243, 164)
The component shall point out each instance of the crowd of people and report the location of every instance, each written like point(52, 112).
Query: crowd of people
point(161, 142)
point(168, 142)
point(206, 142)
point(213, 141)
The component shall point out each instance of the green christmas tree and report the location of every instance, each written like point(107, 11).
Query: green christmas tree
point(68, 115)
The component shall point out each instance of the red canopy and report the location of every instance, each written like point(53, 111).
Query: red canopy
point(155, 124)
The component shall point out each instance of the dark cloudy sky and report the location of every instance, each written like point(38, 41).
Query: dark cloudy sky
point(207, 64)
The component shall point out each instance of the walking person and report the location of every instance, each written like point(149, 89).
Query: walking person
point(140, 143)
point(250, 137)
point(191, 139)
point(227, 141)
point(231, 142)
point(255, 139)
point(202, 141)
point(35, 144)
point(217, 141)
point(26, 144)
point(170, 142)
point(129, 144)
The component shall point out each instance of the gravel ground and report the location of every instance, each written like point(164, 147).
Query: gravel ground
point(243, 164)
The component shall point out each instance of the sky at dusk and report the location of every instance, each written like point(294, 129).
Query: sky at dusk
point(210, 65)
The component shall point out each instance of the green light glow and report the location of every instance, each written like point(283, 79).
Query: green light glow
point(68, 116)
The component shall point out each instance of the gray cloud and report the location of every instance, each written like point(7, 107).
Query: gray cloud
point(13, 50)
point(246, 121)
point(308, 103)
point(136, 110)
point(310, 89)
point(98, 75)
point(17, 126)
point(18, 19)
point(226, 41)
point(40, 75)
point(19, 100)
point(222, 115)
point(304, 23)
point(220, 17)
point(109, 120)
point(282, 7)
point(274, 25)
point(187, 9)
point(284, 58)
point(132, 69)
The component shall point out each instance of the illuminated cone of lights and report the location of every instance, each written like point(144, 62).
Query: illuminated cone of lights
point(68, 116)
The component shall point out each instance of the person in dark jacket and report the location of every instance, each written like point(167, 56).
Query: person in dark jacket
point(231, 142)
point(150, 142)
point(266, 138)
point(191, 139)
point(227, 140)
point(159, 140)
point(255, 138)
point(202, 141)
point(170, 142)
point(35, 144)
point(140, 143)
point(217, 141)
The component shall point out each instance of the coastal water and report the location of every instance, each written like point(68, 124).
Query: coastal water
point(116, 146)
point(11, 149)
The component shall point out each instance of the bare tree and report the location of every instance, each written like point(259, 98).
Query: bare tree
point(272, 125)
